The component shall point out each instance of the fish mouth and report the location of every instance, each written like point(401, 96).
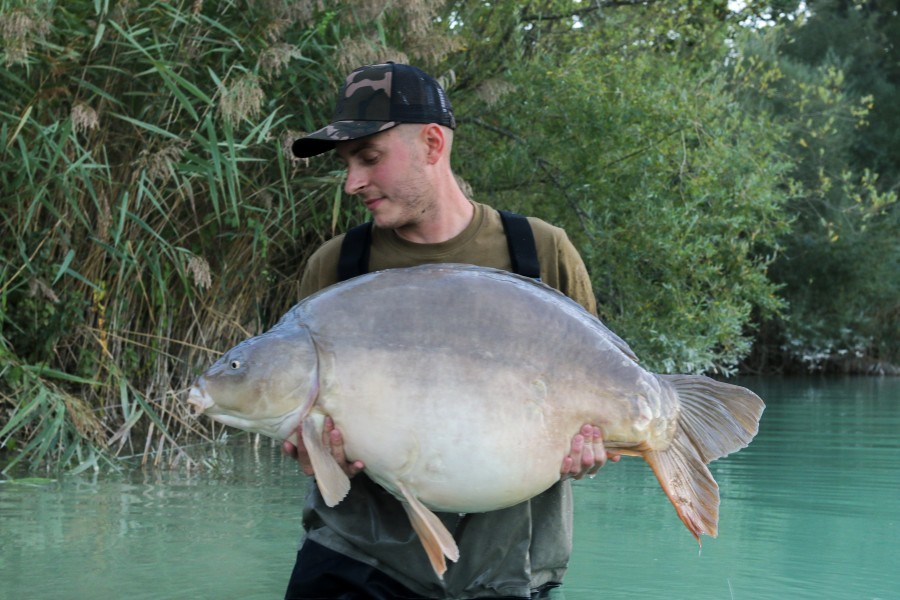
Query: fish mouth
point(199, 399)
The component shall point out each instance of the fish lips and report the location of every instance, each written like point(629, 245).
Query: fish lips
point(199, 399)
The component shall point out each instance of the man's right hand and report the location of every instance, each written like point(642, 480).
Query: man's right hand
point(332, 440)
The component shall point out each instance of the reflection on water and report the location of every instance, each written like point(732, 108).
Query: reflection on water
point(809, 510)
point(157, 535)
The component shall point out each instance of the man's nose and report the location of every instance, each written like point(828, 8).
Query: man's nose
point(355, 181)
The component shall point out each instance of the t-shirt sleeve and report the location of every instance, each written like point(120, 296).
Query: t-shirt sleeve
point(573, 276)
point(321, 268)
point(561, 265)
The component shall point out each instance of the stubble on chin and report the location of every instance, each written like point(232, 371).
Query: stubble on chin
point(402, 216)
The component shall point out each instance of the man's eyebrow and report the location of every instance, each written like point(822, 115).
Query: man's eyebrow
point(363, 146)
point(355, 149)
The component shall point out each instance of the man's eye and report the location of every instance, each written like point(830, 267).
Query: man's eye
point(370, 159)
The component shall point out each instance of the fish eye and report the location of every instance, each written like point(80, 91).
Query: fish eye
point(235, 364)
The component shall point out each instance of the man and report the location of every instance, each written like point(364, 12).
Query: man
point(393, 127)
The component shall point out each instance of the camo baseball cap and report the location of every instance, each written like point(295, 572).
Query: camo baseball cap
point(375, 98)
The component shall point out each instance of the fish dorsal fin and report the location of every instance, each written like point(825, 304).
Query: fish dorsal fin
point(716, 419)
point(618, 342)
point(435, 538)
point(332, 481)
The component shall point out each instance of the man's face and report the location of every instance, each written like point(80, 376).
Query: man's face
point(387, 171)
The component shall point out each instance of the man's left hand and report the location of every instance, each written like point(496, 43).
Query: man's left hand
point(587, 454)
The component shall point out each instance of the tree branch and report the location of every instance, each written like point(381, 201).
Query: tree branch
point(550, 171)
point(594, 7)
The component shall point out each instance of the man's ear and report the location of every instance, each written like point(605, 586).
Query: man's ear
point(435, 142)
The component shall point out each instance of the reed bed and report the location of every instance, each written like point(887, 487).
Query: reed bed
point(152, 214)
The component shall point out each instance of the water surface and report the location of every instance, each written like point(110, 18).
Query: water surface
point(809, 510)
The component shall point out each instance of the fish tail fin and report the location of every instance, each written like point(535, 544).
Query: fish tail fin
point(716, 419)
point(436, 539)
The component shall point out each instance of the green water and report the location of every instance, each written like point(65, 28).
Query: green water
point(810, 510)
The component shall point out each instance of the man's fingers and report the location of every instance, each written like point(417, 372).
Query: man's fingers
point(336, 444)
point(289, 449)
point(594, 452)
point(591, 452)
point(597, 456)
point(576, 453)
point(587, 454)
point(572, 463)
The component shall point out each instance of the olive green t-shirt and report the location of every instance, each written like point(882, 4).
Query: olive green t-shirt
point(482, 243)
point(508, 552)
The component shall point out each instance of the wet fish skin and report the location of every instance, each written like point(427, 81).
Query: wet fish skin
point(460, 387)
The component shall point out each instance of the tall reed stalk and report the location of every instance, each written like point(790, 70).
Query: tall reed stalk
point(152, 215)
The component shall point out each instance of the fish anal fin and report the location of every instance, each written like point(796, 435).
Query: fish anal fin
point(333, 483)
point(435, 538)
point(688, 484)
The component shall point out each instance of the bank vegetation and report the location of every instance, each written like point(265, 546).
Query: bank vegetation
point(729, 176)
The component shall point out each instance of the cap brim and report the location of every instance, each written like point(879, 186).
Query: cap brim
point(323, 140)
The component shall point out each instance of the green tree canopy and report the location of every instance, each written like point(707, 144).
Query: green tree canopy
point(822, 75)
point(611, 129)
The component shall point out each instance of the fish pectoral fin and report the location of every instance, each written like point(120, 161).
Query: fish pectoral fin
point(333, 483)
point(435, 538)
point(689, 485)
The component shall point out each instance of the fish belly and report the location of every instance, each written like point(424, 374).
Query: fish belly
point(466, 435)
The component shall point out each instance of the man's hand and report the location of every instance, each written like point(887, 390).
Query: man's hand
point(332, 439)
point(587, 455)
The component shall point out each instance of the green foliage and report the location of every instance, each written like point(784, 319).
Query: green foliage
point(670, 192)
point(840, 266)
point(154, 216)
point(861, 36)
point(151, 207)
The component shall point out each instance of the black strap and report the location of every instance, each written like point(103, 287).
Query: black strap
point(520, 240)
point(354, 259)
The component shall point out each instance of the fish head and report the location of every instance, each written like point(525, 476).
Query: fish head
point(264, 384)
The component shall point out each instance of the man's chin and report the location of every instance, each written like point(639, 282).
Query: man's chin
point(383, 220)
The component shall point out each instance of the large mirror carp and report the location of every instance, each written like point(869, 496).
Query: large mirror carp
point(460, 388)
